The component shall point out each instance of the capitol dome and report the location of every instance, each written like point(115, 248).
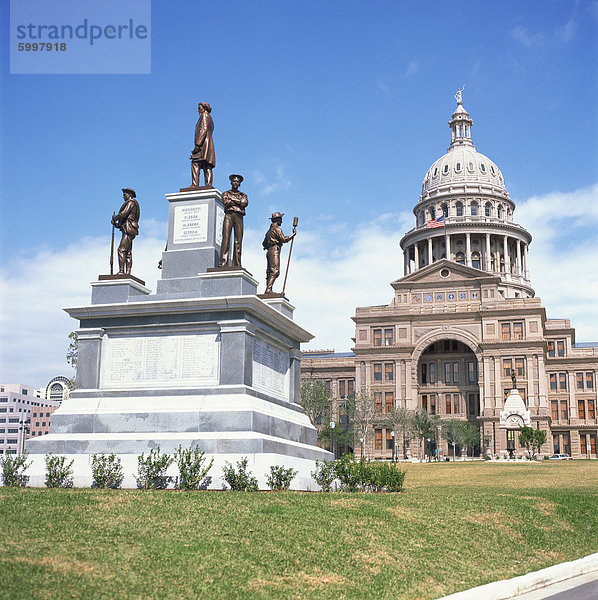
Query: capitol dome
point(462, 164)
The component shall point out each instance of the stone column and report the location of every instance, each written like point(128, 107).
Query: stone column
point(526, 271)
point(468, 249)
point(505, 247)
point(498, 391)
point(90, 355)
point(416, 246)
point(488, 254)
point(542, 384)
point(572, 404)
point(408, 389)
point(518, 267)
point(486, 397)
point(430, 253)
point(406, 261)
point(448, 246)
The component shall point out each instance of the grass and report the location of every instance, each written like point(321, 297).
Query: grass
point(455, 526)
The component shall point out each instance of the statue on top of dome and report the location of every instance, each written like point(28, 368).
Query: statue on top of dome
point(458, 96)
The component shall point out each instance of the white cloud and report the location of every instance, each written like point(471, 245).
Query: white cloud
point(566, 32)
point(273, 180)
point(524, 36)
point(564, 254)
point(412, 68)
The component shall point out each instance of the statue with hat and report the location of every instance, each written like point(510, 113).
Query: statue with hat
point(235, 203)
point(273, 241)
point(203, 157)
point(127, 220)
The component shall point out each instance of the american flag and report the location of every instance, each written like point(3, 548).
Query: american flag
point(433, 223)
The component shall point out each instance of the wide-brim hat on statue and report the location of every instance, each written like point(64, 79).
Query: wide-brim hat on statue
point(235, 176)
point(276, 215)
point(130, 191)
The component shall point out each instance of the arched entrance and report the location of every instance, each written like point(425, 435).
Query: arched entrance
point(448, 384)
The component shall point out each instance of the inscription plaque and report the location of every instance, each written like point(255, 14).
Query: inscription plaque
point(165, 360)
point(270, 368)
point(190, 224)
point(219, 223)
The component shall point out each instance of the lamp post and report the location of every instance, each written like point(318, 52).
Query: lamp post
point(439, 440)
point(332, 424)
point(392, 435)
point(429, 440)
point(24, 428)
point(361, 442)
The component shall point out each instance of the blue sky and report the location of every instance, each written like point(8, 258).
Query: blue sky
point(333, 111)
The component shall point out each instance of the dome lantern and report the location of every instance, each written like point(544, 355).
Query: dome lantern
point(460, 123)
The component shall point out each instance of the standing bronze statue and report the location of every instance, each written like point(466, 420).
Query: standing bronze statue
point(273, 241)
point(234, 206)
point(203, 157)
point(127, 220)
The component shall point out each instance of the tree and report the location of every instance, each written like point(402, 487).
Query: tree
point(452, 432)
point(471, 434)
point(532, 439)
point(399, 420)
point(423, 426)
point(363, 409)
point(317, 403)
point(72, 353)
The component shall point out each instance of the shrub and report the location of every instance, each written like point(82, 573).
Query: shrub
point(13, 469)
point(324, 474)
point(280, 478)
point(107, 471)
point(151, 471)
point(383, 476)
point(192, 472)
point(487, 457)
point(239, 479)
point(351, 473)
point(58, 473)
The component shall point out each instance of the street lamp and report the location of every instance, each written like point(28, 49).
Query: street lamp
point(439, 440)
point(392, 435)
point(24, 428)
point(429, 440)
point(332, 424)
point(361, 442)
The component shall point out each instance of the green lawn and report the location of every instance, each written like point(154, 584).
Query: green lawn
point(455, 526)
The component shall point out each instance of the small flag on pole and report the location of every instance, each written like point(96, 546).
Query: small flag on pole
point(434, 223)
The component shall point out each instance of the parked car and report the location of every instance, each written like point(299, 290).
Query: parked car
point(560, 457)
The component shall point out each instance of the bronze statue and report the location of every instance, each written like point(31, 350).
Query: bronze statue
point(273, 241)
point(513, 379)
point(127, 220)
point(203, 157)
point(234, 206)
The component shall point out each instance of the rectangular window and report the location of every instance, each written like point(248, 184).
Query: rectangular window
point(593, 443)
point(43, 423)
point(351, 387)
point(424, 374)
point(2, 410)
point(389, 439)
point(448, 404)
point(432, 404)
point(378, 442)
point(328, 386)
point(11, 441)
point(507, 366)
point(520, 367)
point(425, 402)
point(378, 402)
point(471, 376)
point(555, 410)
point(455, 404)
point(455, 372)
point(12, 431)
point(13, 420)
point(37, 423)
point(389, 400)
point(506, 331)
point(389, 372)
point(564, 410)
point(556, 446)
point(589, 381)
point(432, 372)
point(581, 409)
point(447, 372)
point(583, 446)
point(591, 412)
point(389, 337)
point(377, 337)
point(579, 379)
point(560, 348)
point(3, 399)
point(377, 371)
point(566, 444)
point(551, 351)
point(518, 331)
point(552, 381)
point(342, 388)
point(562, 381)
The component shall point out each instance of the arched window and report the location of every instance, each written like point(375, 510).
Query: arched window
point(474, 209)
point(458, 167)
point(446, 169)
point(459, 209)
point(435, 171)
point(445, 210)
point(475, 260)
point(432, 212)
point(56, 392)
point(460, 258)
point(482, 167)
point(488, 209)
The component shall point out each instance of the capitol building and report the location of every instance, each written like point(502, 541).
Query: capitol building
point(463, 320)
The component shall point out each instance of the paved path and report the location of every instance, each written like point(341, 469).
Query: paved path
point(583, 587)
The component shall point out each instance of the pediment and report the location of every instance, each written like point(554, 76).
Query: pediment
point(445, 272)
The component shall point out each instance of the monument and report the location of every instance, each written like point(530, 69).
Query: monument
point(201, 362)
point(273, 242)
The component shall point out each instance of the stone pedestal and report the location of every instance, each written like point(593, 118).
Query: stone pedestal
point(203, 362)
